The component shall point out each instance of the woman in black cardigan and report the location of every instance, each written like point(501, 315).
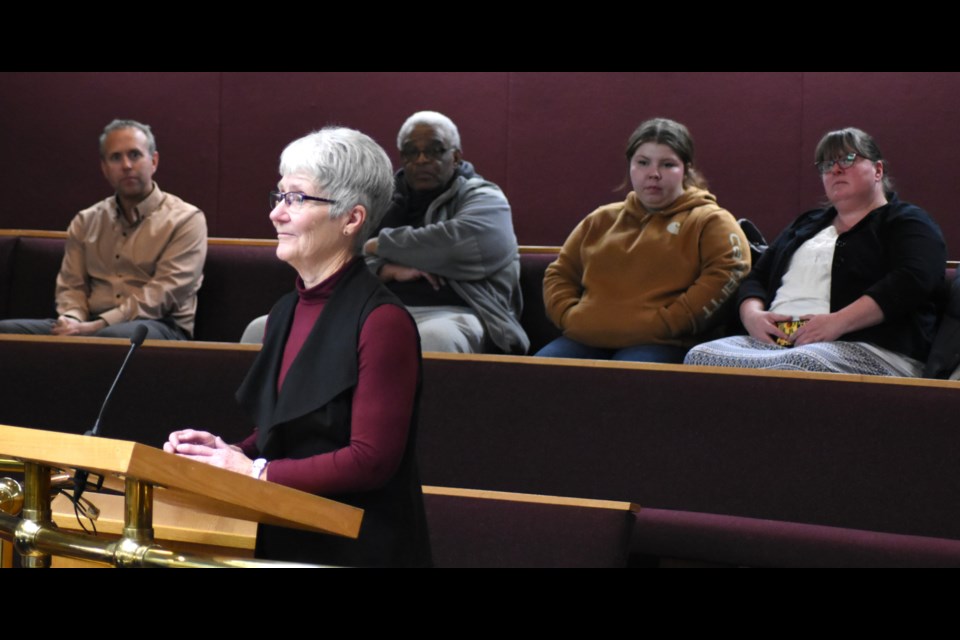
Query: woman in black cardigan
point(334, 392)
point(846, 289)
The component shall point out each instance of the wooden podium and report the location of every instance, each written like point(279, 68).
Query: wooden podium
point(149, 474)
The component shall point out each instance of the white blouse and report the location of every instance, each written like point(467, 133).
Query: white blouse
point(805, 289)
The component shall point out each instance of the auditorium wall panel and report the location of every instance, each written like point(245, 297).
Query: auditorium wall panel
point(264, 112)
point(553, 141)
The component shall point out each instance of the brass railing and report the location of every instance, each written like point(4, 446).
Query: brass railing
point(36, 538)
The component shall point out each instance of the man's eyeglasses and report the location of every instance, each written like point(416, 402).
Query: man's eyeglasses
point(845, 162)
point(293, 199)
point(433, 153)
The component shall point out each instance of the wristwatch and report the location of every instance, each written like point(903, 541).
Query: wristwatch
point(257, 469)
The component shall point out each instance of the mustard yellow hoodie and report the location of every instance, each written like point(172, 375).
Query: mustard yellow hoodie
point(628, 276)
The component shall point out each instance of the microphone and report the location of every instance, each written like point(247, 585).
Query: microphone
point(139, 335)
point(80, 478)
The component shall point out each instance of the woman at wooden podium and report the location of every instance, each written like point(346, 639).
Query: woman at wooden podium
point(334, 392)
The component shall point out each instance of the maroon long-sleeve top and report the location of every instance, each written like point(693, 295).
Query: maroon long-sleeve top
point(382, 401)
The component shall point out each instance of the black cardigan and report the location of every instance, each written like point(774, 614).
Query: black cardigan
point(312, 416)
point(896, 255)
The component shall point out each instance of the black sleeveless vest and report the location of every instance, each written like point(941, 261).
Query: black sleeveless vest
point(312, 415)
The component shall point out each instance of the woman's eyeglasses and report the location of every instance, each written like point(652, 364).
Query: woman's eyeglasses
point(293, 199)
point(845, 162)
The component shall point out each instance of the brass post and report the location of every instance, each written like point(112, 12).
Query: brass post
point(36, 513)
point(137, 524)
point(138, 511)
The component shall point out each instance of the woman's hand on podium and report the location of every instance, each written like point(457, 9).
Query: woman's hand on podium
point(209, 449)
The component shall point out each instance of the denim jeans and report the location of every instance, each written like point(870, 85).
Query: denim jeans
point(567, 348)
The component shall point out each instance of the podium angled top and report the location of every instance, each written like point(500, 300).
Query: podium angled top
point(182, 482)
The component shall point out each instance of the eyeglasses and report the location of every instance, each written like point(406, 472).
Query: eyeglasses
point(432, 153)
point(293, 199)
point(845, 162)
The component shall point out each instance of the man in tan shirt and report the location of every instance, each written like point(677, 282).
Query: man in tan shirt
point(134, 258)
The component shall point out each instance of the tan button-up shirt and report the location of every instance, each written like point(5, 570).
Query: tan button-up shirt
point(151, 269)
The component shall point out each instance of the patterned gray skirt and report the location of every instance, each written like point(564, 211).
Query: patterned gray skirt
point(744, 352)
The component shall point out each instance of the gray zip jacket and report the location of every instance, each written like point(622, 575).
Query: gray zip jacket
point(468, 239)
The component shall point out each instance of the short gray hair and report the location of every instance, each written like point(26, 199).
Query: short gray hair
point(347, 166)
point(128, 124)
point(437, 121)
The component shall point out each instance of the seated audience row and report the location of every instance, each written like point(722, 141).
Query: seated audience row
point(848, 288)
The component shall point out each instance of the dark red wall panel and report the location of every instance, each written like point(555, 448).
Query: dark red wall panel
point(913, 118)
point(553, 141)
point(264, 112)
point(568, 135)
point(52, 123)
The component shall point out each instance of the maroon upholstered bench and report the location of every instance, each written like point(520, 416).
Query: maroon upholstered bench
point(670, 537)
point(242, 279)
point(32, 277)
point(470, 528)
point(533, 263)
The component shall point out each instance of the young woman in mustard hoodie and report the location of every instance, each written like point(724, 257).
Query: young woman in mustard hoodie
point(642, 279)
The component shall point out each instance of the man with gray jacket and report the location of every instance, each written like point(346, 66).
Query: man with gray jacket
point(446, 246)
